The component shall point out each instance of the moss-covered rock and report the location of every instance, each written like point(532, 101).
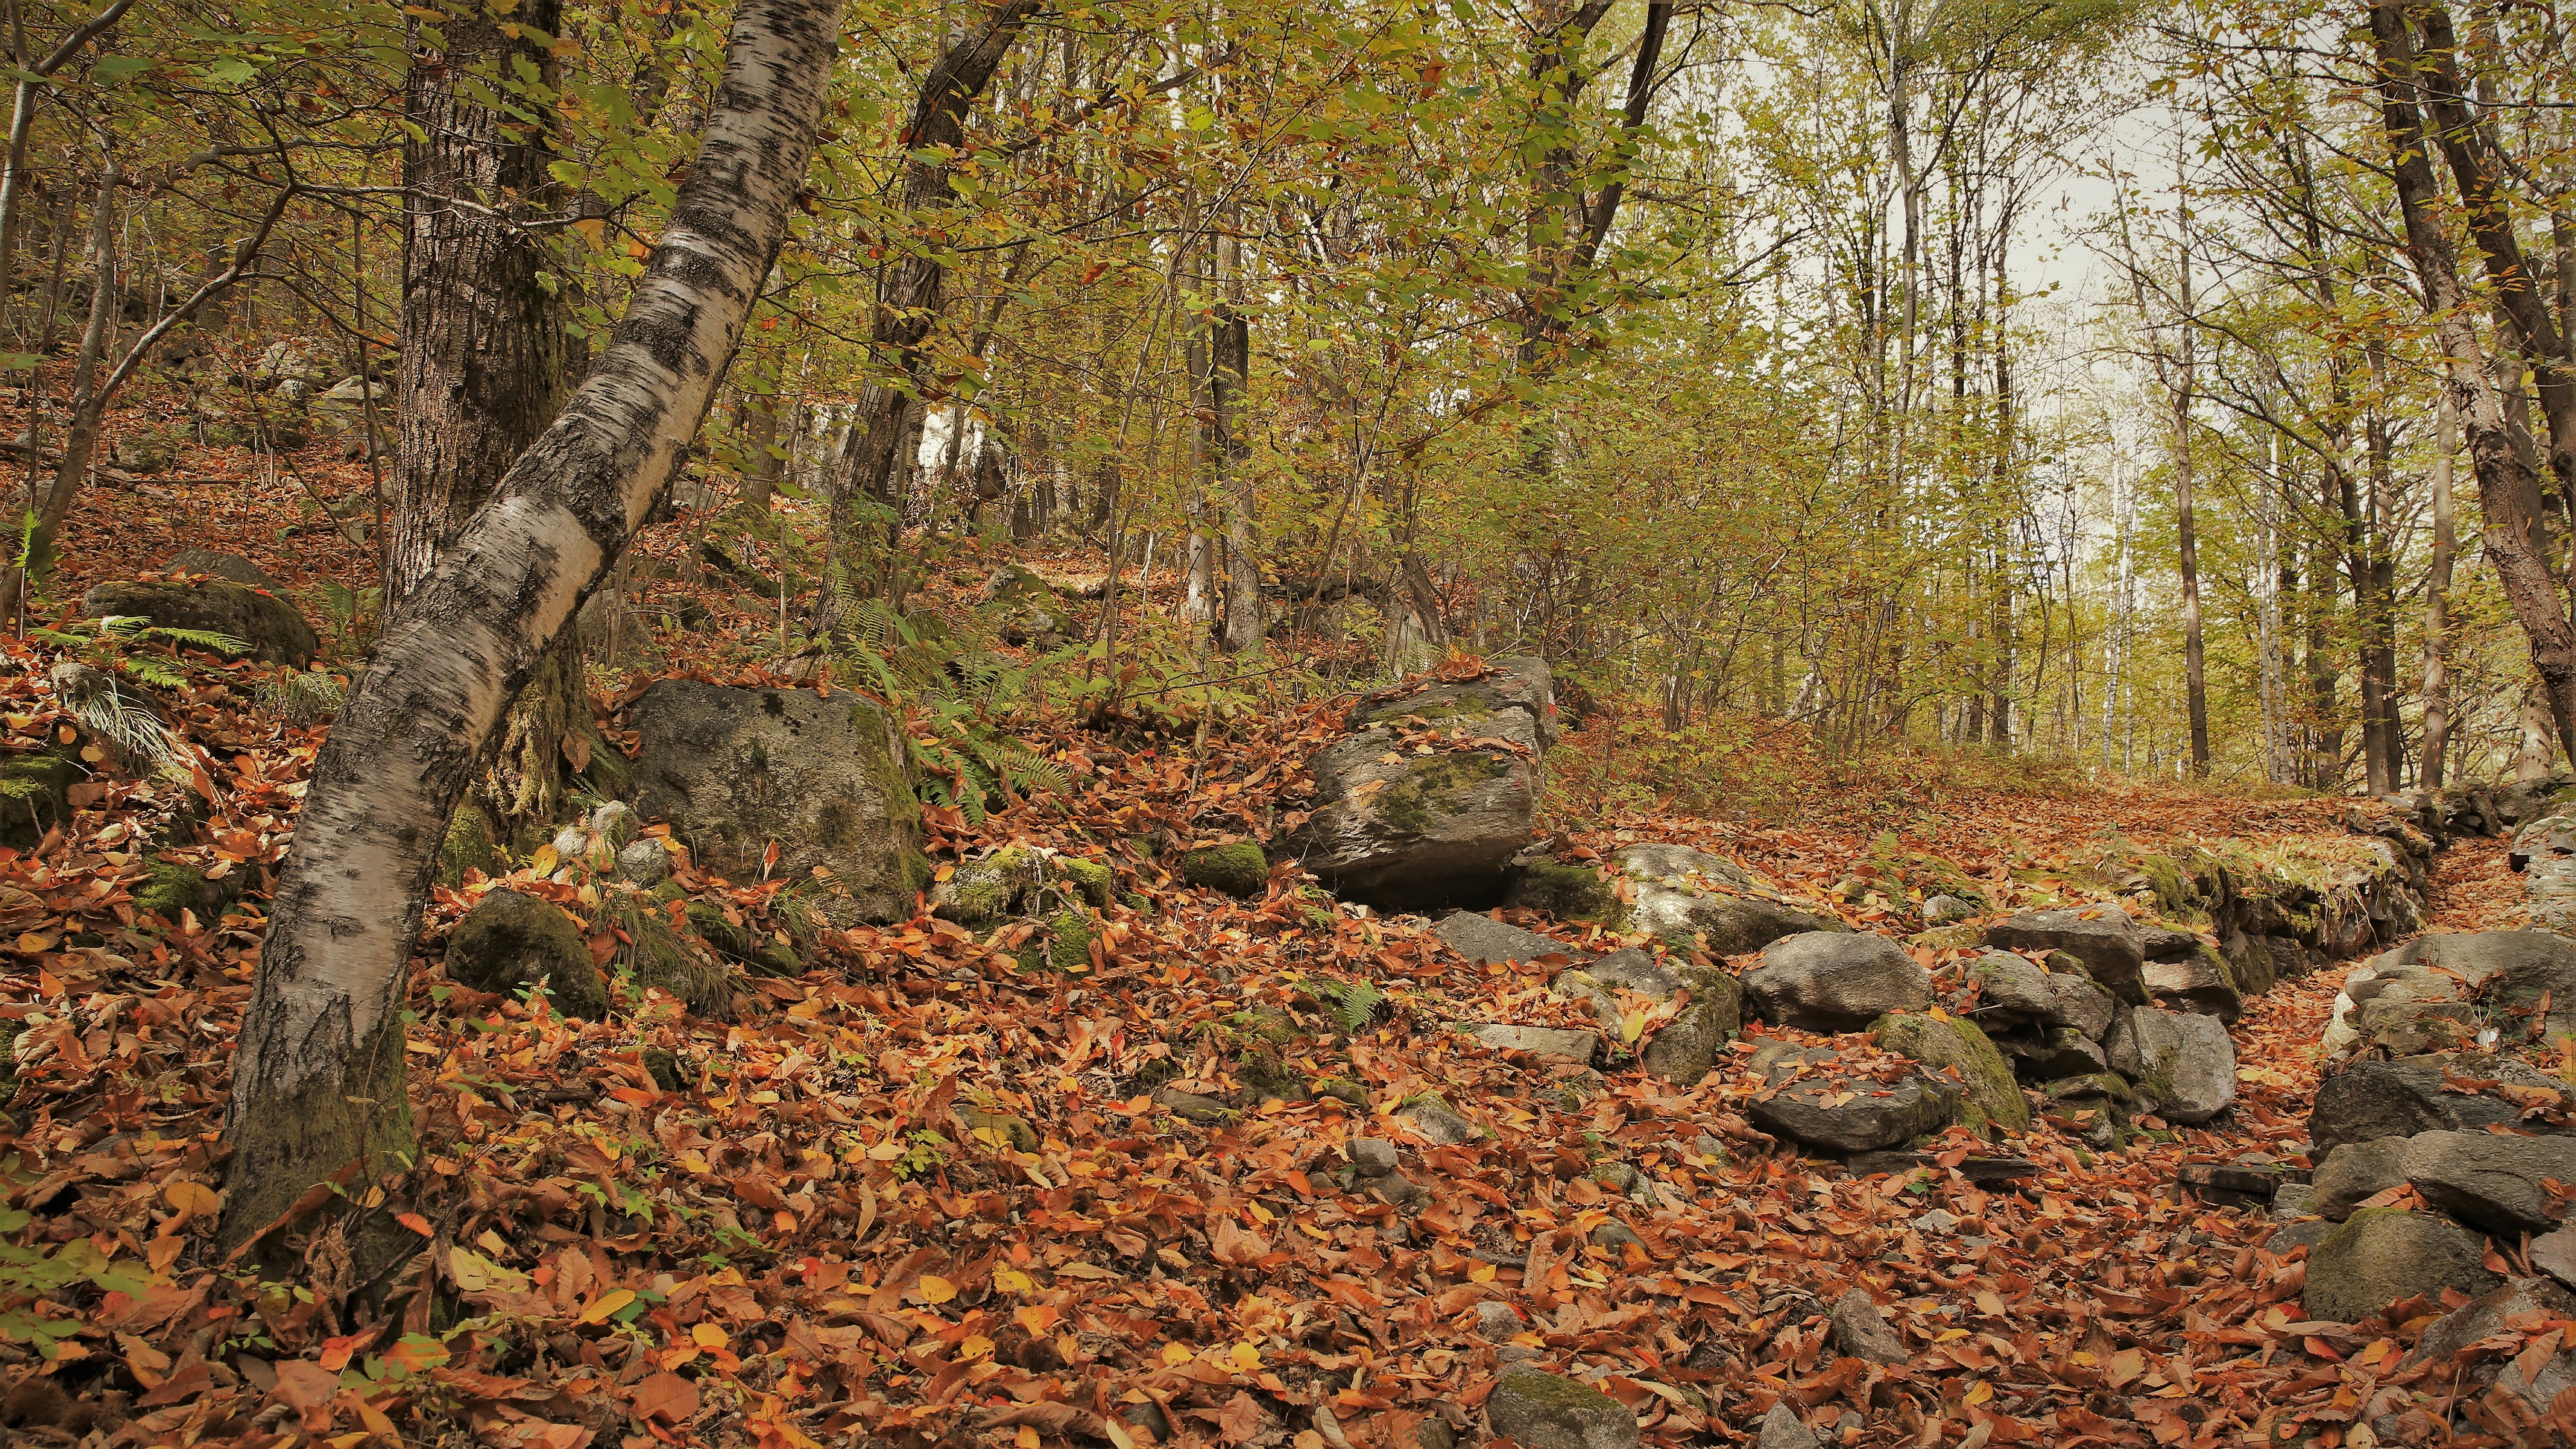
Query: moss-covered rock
point(1567, 891)
point(268, 625)
point(980, 894)
point(1990, 1096)
point(1062, 944)
point(1340, 1089)
point(1015, 1132)
point(1088, 879)
point(35, 795)
point(1239, 869)
point(172, 886)
point(510, 942)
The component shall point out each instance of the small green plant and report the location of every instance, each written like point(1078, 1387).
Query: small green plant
point(110, 654)
point(301, 696)
point(349, 616)
point(1351, 1004)
point(33, 1276)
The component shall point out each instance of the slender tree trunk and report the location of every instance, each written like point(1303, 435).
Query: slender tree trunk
point(913, 290)
point(2437, 602)
point(318, 1082)
point(2195, 681)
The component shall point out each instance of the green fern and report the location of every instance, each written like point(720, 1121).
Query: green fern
point(1351, 1004)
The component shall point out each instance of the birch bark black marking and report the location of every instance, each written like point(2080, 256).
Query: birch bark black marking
point(318, 1079)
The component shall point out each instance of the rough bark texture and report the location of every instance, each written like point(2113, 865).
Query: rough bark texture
point(482, 369)
point(317, 1083)
point(2508, 490)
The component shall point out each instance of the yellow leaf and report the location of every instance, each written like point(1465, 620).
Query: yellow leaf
point(1175, 1354)
point(193, 1199)
point(1027, 1438)
point(1012, 1280)
point(1247, 1359)
point(935, 1289)
point(35, 942)
point(606, 1304)
point(975, 1346)
point(543, 862)
point(1481, 1273)
point(1262, 1213)
point(1982, 1392)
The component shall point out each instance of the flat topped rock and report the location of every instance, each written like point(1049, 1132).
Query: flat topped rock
point(2373, 1099)
point(1546, 1041)
point(2491, 1181)
point(2108, 944)
point(1855, 1117)
point(1833, 981)
point(1481, 939)
point(1543, 1411)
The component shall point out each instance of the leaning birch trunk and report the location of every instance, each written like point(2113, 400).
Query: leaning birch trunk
point(318, 1082)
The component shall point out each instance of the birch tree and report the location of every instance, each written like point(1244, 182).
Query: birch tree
point(318, 1084)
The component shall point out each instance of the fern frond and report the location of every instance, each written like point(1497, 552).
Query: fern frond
point(159, 673)
point(206, 639)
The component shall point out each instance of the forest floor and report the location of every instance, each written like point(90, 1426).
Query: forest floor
point(806, 1242)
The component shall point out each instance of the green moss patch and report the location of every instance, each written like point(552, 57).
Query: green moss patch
point(1239, 870)
point(1993, 1098)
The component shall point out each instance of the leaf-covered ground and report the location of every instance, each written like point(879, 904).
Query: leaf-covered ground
point(920, 1196)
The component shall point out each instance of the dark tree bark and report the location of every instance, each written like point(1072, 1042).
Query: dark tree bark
point(915, 284)
point(2508, 489)
point(484, 347)
point(318, 1083)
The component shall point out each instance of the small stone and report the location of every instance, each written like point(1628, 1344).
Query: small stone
point(1944, 910)
point(1372, 1156)
point(644, 863)
point(1861, 1331)
point(2294, 1200)
point(1438, 1125)
point(1618, 1177)
point(1496, 1322)
point(1782, 1429)
point(1938, 1220)
point(1481, 939)
point(2554, 1253)
point(1543, 1411)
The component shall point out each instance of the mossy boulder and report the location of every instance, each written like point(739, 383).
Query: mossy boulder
point(35, 795)
point(825, 778)
point(269, 625)
point(1240, 869)
point(1990, 1097)
point(666, 1067)
point(1567, 891)
point(510, 942)
point(2381, 1255)
point(1542, 1411)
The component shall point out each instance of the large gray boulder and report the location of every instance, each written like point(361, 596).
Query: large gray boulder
point(2508, 1310)
point(1683, 1049)
point(2355, 1173)
point(2195, 978)
point(1689, 897)
point(2372, 1099)
point(826, 778)
point(274, 632)
point(2382, 1255)
point(1820, 1111)
point(223, 565)
point(1404, 830)
point(1830, 981)
point(1542, 1411)
point(2106, 943)
point(2184, 1064)
point(2435, 992)
point(2492, 1181)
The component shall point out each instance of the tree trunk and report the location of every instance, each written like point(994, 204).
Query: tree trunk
point(486, 355)
point(2508, 492)
point(2437, 603)
point(2195, 683)
point(913, 288)
point(317, 1084)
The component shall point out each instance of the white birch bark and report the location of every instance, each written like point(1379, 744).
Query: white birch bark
point(318, 1080)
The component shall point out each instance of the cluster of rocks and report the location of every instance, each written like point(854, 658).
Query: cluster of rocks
point(2430, 1153)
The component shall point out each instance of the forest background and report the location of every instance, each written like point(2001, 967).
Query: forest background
point(2045, 378)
